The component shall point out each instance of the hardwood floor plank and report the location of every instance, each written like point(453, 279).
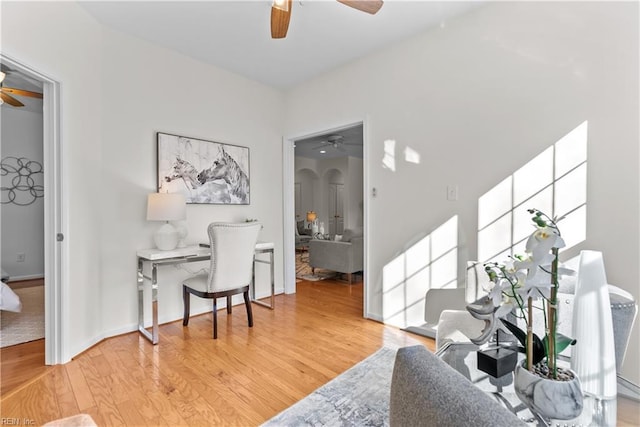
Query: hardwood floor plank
point(81, 390)
point(64, 392)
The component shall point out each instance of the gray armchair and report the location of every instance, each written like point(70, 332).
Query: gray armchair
point(345, 256)
point(303, 235)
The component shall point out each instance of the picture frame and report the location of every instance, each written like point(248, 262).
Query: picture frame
point(205, 172)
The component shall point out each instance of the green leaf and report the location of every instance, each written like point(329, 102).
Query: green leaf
point(563, 341)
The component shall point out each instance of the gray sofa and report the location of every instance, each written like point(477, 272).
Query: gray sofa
point(425, 391)
point(345, 256)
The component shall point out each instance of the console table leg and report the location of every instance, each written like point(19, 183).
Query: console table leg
point(154, 303)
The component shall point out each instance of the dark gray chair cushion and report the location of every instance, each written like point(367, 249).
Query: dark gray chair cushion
point(425, 391)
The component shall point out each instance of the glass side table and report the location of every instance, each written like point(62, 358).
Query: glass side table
point(462, 357)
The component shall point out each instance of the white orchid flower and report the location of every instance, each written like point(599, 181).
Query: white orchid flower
point(508, 304)
point(542, 240)
point(495, 294)
point(537, 286)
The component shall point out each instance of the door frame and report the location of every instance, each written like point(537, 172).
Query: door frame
point(288, 178)
point(54, 215)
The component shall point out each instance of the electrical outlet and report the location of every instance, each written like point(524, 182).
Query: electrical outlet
point(20, 257)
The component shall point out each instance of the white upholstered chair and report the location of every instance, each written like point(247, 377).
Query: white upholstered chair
point(230, 271)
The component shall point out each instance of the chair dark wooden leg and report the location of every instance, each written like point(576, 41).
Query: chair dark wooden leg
point(229, 304)
point(215, 319)
point(350, 278)
point(313, 270)
point(247, 302)
point(186, 300)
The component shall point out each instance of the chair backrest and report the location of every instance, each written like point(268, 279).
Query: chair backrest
point(437, 300)
point(477, 279)
point(232, 252)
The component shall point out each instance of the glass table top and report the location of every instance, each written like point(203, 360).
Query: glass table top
point(463, 358)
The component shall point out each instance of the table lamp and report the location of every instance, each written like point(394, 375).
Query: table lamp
point(166, 207)
point(312, 218)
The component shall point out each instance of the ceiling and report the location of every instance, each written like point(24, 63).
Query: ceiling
point(348, 142)
point(235, 35)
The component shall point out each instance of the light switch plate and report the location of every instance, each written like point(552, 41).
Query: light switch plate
point(452, 192)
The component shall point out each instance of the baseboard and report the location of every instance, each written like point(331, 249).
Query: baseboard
point(26, 277)
point(375, 317)
point(628, 389)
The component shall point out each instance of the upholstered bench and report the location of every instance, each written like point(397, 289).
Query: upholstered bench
point(427, 391)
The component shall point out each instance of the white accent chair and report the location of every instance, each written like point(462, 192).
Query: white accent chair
point(231, 268)
point(439, 300)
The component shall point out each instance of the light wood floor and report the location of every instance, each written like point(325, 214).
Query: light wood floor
point(243, 378)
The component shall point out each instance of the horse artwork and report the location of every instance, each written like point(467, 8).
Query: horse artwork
point(185, 171)
point(203, 171)
point(227, 169)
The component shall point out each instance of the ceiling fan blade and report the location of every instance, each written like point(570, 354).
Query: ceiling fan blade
point(280, 21)
point(10, 100)
point(21, 92)
point(369, 6)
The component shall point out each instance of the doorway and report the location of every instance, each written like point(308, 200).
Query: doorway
point(53, 220)
point(340, 203)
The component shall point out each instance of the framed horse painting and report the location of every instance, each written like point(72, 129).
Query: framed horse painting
point(203, 171)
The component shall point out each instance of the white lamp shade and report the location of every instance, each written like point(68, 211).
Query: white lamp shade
point(166, 207)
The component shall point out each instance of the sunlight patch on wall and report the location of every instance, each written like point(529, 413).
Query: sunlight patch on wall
point(411, 156)
point(555, 182)
point(389, 159)
point(429, 263)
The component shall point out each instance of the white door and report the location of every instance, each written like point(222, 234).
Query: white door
point(339, 215)
point(336, 209)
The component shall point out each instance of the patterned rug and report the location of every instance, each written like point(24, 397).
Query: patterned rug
point(357, 397)
point(28, 325)
point(303, 271)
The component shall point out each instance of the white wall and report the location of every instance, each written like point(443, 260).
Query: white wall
point(478, 98)
point(115, 95)
point(222, 107)
point(354, 197)
point(22, 226)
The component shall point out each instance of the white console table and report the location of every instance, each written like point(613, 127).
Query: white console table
point(158, 258)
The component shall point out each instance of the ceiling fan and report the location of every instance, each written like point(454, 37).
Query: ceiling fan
point(334, 141)
point(281, 13)
point(7, 92)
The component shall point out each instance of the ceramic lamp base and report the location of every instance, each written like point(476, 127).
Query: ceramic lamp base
point(166, 238)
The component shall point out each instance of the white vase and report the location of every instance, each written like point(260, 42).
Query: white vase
point(593, 357)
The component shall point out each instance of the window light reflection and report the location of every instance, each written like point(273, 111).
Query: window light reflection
point(555, 182)
point(431, 262)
